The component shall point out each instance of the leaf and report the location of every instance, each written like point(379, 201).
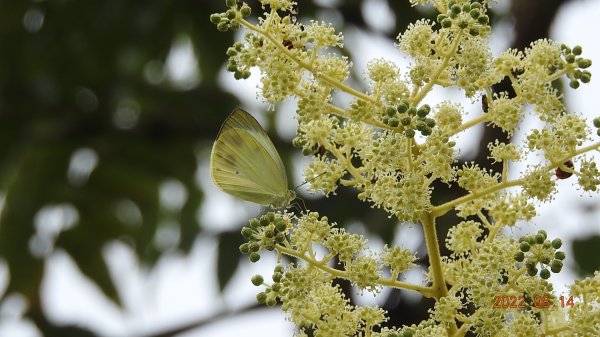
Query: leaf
point(228, 257)
point(587, 255)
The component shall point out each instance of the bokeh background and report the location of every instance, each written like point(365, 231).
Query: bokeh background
point(109, 224)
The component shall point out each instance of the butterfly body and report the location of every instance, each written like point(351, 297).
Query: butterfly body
point(245, 163)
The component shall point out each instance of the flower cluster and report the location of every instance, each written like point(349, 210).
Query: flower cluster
point(391, 147)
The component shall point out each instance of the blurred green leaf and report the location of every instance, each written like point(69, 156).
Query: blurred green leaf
point(587, 255)
point(228, 257)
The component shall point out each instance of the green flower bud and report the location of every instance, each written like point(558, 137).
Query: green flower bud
point(254, 246)
point(463, 24)
point(257, 280)
point(391, 111)
point(406, 121)
point(277, 277)
point(484, 19)
point(247, 232)
point(430, 122)
point(215, 18)
point(280, 225)
point(271, 302)
point(455, 9)
point(246, 11)
point(403, 106)
point(586, 76)
point(474, 31)
point(279, 238)
point(466, 7)
point(584, 63)
point(446, 23)
point(264, 221)
point(254, 257)
point(307, 152)
point(245, 248)
point(560, 255)
point(412, 111)
point(276, 287)
point(577, 50)
point(556, 266)
point(474, 13)
point(423, 110)
point(539, 239)
point(231, 67)
point(556, 243)
point(409, 133)
point(254, 223)
point(532, 271)
point(545, 260)
point(570, 58)
point(426, 131)
point(261, 297)
point(543, 233)
point(231, 52)
point(223, 26)
point(441, 17)
point(545, 274)
point(530, 264)
point(519, 256)
point(547, 244)
point(230, 3)
point(234, 25)
point(574, 84)
point(269, 233)
point(524, 247)
point(475, 5)
point(393, 122)
point(597, 122)
point(230, 14)
point(279, 269)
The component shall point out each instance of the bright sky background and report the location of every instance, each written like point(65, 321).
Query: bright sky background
point(181, 288)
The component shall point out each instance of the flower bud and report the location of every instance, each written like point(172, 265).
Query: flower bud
point(556, 266)
point(257, 280)
point(254, 257)
point(556, 243)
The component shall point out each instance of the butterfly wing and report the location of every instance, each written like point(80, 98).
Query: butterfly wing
point(244, 162)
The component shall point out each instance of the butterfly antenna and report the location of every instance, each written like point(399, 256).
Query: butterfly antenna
point(309, 180)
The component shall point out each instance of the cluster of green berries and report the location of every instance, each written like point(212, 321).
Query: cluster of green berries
point(263, 233)
point(227, 20)
point(572, 57)
point(269, 296)
point(410, 118)
point(537, 249)
point(232, 64)
point(467, 16)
